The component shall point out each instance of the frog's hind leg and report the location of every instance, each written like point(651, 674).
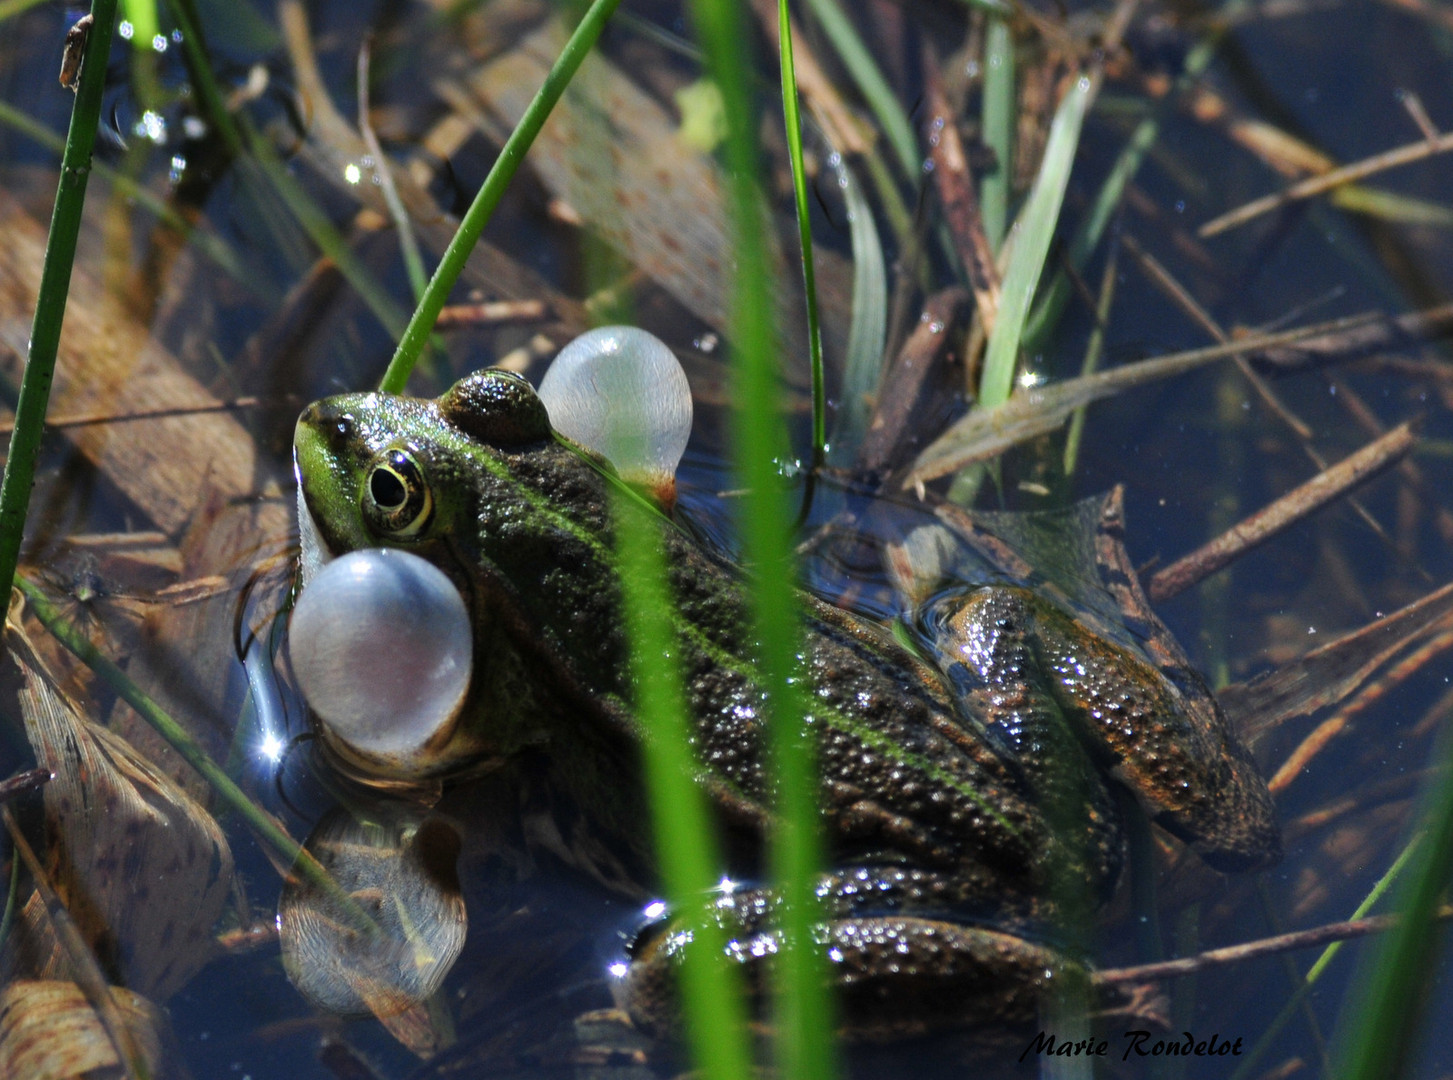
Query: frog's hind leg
point(897, 976)
point(1169, 745)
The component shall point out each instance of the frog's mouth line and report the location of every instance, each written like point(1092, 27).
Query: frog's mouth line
point(314, 552)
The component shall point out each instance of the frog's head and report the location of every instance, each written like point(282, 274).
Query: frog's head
point(516, 515)
point(517, 518)
point(378, 470)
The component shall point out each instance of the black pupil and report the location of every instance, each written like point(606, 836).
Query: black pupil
point(387, 489)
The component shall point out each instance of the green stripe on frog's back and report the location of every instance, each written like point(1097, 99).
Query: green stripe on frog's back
point(716, 646)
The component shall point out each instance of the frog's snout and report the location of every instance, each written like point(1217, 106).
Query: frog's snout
point(330, 421)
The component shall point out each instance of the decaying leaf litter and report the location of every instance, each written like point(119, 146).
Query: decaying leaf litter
point(210, 475)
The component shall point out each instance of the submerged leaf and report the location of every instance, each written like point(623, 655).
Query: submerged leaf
point(142, 868)
point(400, 870)
point(49, 1030)
point(1326, 675)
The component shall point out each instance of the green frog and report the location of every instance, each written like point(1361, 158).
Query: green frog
point(959, 801)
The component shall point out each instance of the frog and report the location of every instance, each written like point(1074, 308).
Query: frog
point(961, 797)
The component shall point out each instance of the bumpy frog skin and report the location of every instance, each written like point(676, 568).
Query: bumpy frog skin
point(946, 815)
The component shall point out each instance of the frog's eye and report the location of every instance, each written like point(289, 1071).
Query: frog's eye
point(497, 407)
point(621, 392)
point(396, 500)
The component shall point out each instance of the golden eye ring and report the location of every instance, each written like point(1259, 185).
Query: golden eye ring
point(397, 502)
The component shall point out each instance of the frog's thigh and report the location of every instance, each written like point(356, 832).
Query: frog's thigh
point(900, 976)
point(896, 976)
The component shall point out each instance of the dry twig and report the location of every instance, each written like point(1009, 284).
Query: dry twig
point(1390, 159)
point(1235, 954)
point(1290, 508)
point(22, 782)
point(955, 185)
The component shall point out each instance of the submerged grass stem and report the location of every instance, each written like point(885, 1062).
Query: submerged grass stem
point(793, 122)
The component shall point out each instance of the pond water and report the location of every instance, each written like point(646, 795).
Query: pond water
point(171, 537)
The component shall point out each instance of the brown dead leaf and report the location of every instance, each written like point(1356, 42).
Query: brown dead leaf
point(110, 363)
point(611, 152)
point(143, 870)
point(48, 1031)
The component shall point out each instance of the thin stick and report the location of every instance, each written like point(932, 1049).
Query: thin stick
point(408, 246)
point(491, 312)
point(1329, 729)
point(1315, 185)
point(985, 433)
point(88, 419)
point(956, 192)
point(50, 302)
point(1236, 954)
point(83, 962)
point(1183, 299)
point(1290, 508)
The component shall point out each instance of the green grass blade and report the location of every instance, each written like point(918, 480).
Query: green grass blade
point(999, 119)
point(328, 240)
point(993, 7)
point(416, 335)
point(408, 244)
point(1087, 237)
point(50, 301)
point(870, 82)
point(803, 1017)
point(793, 121)
point(1248, 1063)
point(868, 332)
point(245, 144)
point(711, 991)
point(1031, 244)
point(145, 26)
point(1389, 1001)
point(1093, 350)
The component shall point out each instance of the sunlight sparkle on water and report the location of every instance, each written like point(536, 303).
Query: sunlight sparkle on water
point(618, 969)
point(271, 748)
point(352, 173)
point(655, 910)
point(152, 126)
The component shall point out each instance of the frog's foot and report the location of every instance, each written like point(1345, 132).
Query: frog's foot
point(1028, 664)
point(897, 976)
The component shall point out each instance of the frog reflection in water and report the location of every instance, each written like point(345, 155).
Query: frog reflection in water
point(938, 789)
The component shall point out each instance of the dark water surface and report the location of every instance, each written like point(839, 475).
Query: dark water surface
point(1195, 454)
